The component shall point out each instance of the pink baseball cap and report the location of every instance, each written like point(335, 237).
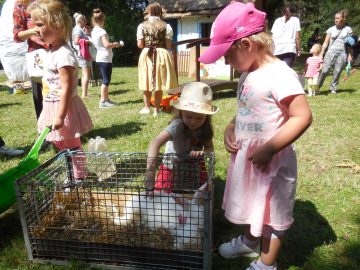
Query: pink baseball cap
point(234, 22)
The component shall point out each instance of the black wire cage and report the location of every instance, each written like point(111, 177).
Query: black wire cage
point(99, 209)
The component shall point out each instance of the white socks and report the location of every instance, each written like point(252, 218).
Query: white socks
point(264, 266)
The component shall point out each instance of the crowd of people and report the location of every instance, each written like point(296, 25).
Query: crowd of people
point(272, 109)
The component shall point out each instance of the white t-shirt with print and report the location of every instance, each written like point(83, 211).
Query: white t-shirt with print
point(62, 57)
point(103, 54)
point(260, 113)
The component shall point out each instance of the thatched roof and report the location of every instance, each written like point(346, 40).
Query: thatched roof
point(181, 8)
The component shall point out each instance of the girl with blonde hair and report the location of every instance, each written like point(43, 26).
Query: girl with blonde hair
point(272, 113)
point(63, 109)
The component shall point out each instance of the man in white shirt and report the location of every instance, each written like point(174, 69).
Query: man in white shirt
point(286, 36)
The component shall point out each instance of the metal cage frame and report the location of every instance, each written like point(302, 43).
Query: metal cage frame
point(64, 218)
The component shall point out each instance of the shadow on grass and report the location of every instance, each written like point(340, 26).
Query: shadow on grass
point(118, 83)
point(10, 227)
point(119, 92)
point(137, 101)
point(324, 92)
point(4, 105)
point(224, 94)
point(346, 258)
point(310, 230)
point(115, 131)
point(351, 91)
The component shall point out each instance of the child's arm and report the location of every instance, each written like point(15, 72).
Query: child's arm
point(229, 137)
point(300, 119)
point(153, 152)
point(320, 67)
point(305, 69)
point(67, 81)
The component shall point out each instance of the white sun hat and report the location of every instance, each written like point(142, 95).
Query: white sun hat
point(196, 97)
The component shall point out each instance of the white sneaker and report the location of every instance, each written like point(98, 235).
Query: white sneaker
point(236, 248)
point(106, 104)
point(12, 152)
point(333, 92)
point(255, 266)
point(144, 111)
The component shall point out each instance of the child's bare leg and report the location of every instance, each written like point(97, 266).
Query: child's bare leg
point(270, 250)
point(248, 235)
point(271, 244)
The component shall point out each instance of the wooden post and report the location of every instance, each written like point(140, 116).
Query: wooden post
point(174, 53)
point(197, 55)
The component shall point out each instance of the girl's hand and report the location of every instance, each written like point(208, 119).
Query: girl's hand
point(195, 154)
point(262, 157)
point(150, 181)
point(58, 123)
point(34, 31)
point(230, 139)
point(116, 44)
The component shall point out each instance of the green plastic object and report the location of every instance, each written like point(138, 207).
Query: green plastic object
point(348, 69)
point(26, 165)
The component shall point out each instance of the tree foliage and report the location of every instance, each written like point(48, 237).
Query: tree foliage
point(122, 19)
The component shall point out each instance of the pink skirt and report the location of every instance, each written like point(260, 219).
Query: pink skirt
point(77, 120)
point(259, 197)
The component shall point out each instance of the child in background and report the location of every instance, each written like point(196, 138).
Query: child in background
point(63, 109)
point(190, 132)
point(312, 70)
point(272, 113)
point(104, 56)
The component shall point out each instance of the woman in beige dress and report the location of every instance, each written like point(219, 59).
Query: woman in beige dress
point(156, 66)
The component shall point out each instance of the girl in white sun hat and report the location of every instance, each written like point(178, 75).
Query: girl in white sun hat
point(189, 132)
point(272, 113)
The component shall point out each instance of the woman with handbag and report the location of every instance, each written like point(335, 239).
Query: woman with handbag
point(24, 30)
point(336, 55)
point(80, 37)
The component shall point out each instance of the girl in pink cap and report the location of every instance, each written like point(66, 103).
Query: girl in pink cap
point(272, 113)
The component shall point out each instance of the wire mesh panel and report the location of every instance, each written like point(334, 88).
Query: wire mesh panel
point(119, 210)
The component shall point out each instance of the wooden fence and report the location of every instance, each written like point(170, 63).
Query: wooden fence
point(183, 63)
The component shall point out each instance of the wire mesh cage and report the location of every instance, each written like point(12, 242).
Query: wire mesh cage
point(102, 209)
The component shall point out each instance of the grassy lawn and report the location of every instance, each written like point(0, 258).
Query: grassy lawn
point(326, 232)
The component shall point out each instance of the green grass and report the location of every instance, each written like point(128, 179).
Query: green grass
point(326, 232)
